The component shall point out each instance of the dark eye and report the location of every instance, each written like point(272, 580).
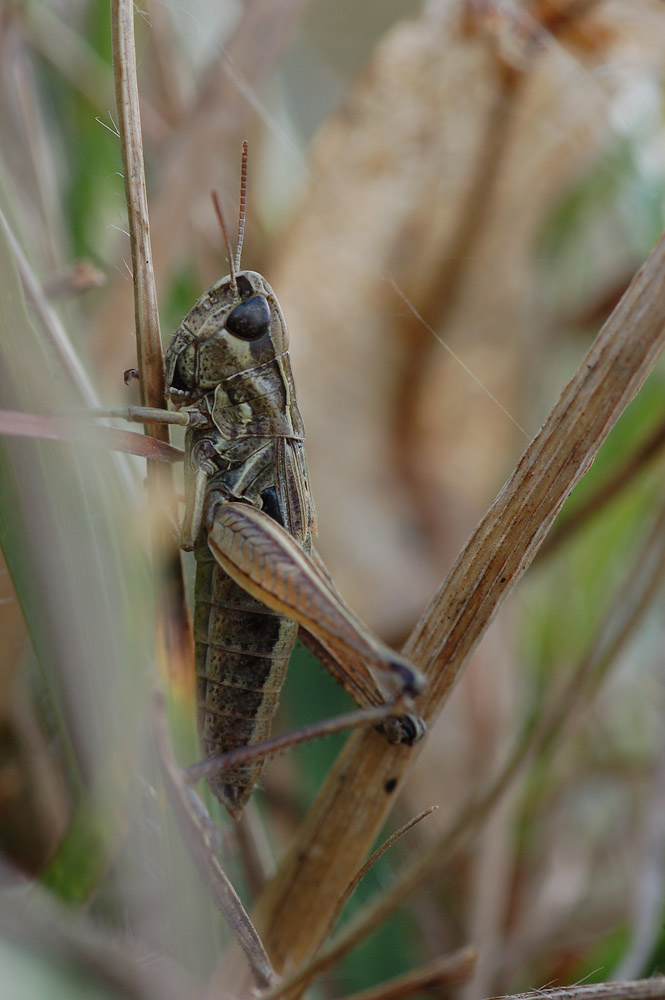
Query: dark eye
point(251, 319)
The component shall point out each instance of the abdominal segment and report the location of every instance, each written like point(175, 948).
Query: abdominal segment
point(242, 653)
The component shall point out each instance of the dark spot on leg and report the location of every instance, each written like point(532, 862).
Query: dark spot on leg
point(390, 785)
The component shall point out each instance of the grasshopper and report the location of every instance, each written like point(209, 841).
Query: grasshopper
point(249, 520)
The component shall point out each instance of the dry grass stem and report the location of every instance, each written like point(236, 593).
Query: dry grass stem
point(449, 970)
point(625, 612)
point(381, 850)
point(638, 989)
point(173, 631)
point(17, 424)
point(146, 313)
point(255, 850)
point(622, 478)
point(200, 843)
point(50, 322)
point(357, 796)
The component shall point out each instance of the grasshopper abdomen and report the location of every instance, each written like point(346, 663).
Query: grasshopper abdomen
point(242, 654)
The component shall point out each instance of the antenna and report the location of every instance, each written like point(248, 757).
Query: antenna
point(243, 203)
point(232, 265)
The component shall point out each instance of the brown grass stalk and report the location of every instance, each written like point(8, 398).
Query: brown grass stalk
point(173, 629)
point(627, 472)
point(625, 612)
point(449, 970)
point(146, 313)
point(349, 811)
point(638, 989)
point(381, 850)
point(203, 852)
point(49, 321)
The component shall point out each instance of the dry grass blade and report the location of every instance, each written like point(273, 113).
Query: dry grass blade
point(331, 953)
point(381, 850)
point(358, 793)
point(56, 336)
point(16, 424)
point(622, 478)
point(202, 851)
point(151, 371)
point(624, 614)
point(506, 540)
point(174, 630)
point(638, 989)
point(449, 970)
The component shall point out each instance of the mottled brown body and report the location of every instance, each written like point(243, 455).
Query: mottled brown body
point(228, 362)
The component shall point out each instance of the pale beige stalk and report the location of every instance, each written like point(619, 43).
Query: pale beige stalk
point(637, 989)
point(625, 612)
point(173, 630)
point(149, 344)
point(357, 796)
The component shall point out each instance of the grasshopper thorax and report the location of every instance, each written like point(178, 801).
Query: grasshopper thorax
point(235, 326)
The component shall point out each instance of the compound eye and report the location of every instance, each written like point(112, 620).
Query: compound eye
point(250, 320)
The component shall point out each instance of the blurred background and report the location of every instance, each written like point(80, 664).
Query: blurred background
point(448, 198)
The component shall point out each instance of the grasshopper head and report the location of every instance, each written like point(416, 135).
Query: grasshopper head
point(233, 327)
